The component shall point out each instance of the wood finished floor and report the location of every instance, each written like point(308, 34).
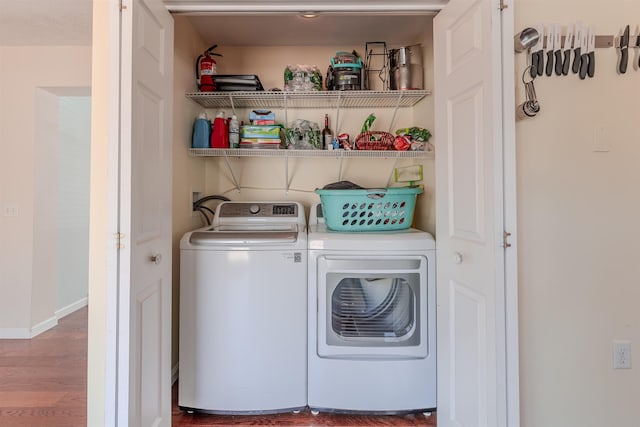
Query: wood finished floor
point(43, 383)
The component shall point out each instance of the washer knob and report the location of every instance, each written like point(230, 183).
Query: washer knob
point(254, 209)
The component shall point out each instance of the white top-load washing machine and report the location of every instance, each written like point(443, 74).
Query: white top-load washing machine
point(243, 317)
point(372, 320)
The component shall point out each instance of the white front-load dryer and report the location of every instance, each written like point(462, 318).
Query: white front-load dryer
point(243, 293)
point(372, 314)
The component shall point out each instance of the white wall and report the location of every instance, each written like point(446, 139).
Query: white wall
point(43, 284)
point(102, 299)
point(578, 231)
point(23, 70)
point(72, 213)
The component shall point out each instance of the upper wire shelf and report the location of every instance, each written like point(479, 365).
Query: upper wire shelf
point(318, 99)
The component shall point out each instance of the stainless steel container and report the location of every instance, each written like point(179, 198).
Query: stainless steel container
point(406, 68)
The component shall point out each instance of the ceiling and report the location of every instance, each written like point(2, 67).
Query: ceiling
point(45, 22)
point(325, 30)
point(68, 22)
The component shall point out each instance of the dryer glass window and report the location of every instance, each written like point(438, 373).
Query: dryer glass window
point(374, 308)
point(369, 310)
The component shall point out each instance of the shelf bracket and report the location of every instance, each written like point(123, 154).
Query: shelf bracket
point(337, 115)
point(286, 173)
point(393, 168)
point(286, 110)
point(340, 168)
point(395, 112)
point(233, 107)
point(233, 177)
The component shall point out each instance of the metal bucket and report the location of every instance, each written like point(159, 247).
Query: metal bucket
point(406, 68)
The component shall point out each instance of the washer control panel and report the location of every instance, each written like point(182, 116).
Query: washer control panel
point(258, 209)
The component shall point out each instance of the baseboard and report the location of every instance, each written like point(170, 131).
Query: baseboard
point(43, 326)
point(14, 334)
point(65, 311)
point(26, 333)
point(174, 374)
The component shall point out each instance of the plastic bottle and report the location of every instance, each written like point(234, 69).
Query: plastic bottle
point(234, 132)
point(220, 134)
point(201, 132)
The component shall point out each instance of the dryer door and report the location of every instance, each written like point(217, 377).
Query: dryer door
point(373, 306)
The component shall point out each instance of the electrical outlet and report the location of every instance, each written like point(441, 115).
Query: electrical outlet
point(195, 196)
point(602, 140)
point(10, 210)
point(621, 355)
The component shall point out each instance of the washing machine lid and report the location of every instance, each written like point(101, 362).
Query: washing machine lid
point(411, 239)
point(248, 234)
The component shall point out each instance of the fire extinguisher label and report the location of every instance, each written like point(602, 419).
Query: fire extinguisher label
point(207, 69)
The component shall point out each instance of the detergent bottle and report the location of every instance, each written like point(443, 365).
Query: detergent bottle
point(201, 132)
point(220, 134)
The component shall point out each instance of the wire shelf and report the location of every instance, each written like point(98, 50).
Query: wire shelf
point(323, 99)
point(248, 152)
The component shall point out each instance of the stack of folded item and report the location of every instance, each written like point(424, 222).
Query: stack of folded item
point(262, 133)
point(237, 82)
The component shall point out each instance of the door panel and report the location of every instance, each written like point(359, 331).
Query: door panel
point(148, 365)
point(144, 364)
point(464, 40)
point(469, 210)
point(468, 335)
point(466, 209)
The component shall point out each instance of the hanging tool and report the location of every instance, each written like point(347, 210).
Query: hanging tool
point(624, 51)
point(557, 43)
point(530, 107)
point(584, 57)
point(591, 69)
point(638, 45)
point(537, 55)
point(577, 49)
point(550, 49)
point(568, 41)
point(525, 39)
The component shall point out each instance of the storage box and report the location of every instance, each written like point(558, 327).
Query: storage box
point(376, 209)
point(262, 117)
point(260, 131)
point(260, 141)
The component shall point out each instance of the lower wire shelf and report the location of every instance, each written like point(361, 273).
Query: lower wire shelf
point(248, 152)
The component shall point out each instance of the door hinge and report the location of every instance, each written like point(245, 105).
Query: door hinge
point(503, 5)
point(122, 5)
point(505, 239)
point(119, 237)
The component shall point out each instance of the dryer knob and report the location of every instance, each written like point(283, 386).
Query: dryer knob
point(254, 209)
point(457, 258)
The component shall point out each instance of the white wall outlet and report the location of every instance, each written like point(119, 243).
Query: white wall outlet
point(195, 196)
point(602, 140)
point(10, 209)
point(621, 355)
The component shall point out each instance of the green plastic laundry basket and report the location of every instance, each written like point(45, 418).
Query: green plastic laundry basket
point(374, 209)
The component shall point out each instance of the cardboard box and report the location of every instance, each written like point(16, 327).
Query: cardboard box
point(262, 117)
point(260, 131)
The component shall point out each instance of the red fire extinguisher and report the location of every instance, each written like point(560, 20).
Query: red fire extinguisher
point(205, 69)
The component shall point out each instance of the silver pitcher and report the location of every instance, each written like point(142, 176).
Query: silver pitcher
point(406, 70)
